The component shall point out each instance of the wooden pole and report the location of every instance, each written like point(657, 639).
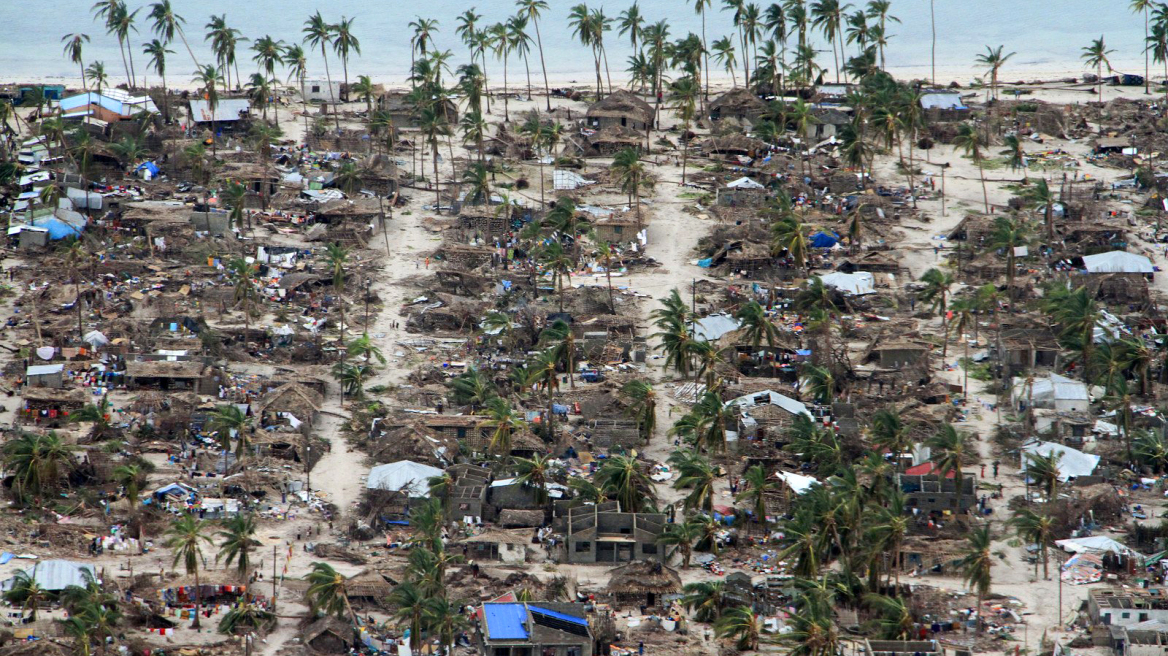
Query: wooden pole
point(273, 578)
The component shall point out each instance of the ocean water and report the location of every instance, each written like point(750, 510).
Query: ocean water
point(1045, 35)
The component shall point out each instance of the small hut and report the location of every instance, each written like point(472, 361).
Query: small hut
point(291, 398)
point(643, 582)
point(619, 109)
point(329, 635)
point(740, 104)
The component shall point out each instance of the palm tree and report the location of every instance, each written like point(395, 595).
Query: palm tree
point(229, 421)
point(1095, 56)
point(337, 257)
point(673, 320)
point(345, 43)
point(443, 618)
point(158, 52)
point(680, 536)
point(937, 286)
point(827, 16)
point(993, 60)
point(949, 452)
point(534, 472)
point(1157, 42)
point(36, 462)
point(364, 347)
point(562, 341)
point(878, 9)
point(888, 530)
point(1037, 529)
point(186, 537)
point(625, 479)
point(73, 47)
point(890, 433)
point(1151, 448)
point(433, 124)
point(789, 235)
point(972, 143)
point(167, 24)
point(27, 593)
point(245, 617)
point(532, 9)
point(1077, 314)
point(758, 484)
point(976, 566)
point(705, 598)
point(643, 406)
point(97, 75)
point(1044, 471)
point(1008, 236)
point(351, 377)
point(1145, 6)
point(241, 274)
point(818, 382)
point(694, 472)
point(364, 89)
point(209, 78)
point(701, 7)
point(328, 592)
point(520, 44)
point(131, 477)
point(723, 50)
point(410, 602)
point(685, 93)
point(97, 414)
point(319, 34)
point(503, 422)
point(121, 23)
point(473, 387)
point(895, 618)
point(742, 624)
point(755, 323)
point(632, 177)
point(239, 542)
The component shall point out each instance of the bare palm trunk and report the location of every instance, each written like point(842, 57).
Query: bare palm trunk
point(546, 87)
point(437, 194)
point(133, 72)
point(706, 53)
point(985, 194)
point(607, 74)
point(506, 115)
point(329, 78)
point(125, 64)
point(527, 67)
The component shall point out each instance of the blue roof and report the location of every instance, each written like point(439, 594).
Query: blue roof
point(505, 621)
point(560, 616)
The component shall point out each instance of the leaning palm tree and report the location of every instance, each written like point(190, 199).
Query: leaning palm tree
point(685, 94)
point(328, 592)
point(27, 593)
point(99, 414)
point(993, 60)
point(532, 9)
point(938, 284)
point(239, 542)
point(1095, 56)
point(534, 472)
point(167, 24)
point(185, 538)
point(976, 566)
point(742, 624)
point(1008, 236)
point(1043, 470)
point(229, 421)
point(705, 598)
point(1144, 6)
point(890, 433)
point(894, 617)
point(36, 463)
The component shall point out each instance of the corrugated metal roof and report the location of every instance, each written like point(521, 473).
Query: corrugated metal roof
point(226, 111)
point(505, 621)
point(942, 101)
point(55, 575)
point(714, 326)
point(560, 616)
point(44, 369)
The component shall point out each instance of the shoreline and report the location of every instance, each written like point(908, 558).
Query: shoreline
point(964, 76)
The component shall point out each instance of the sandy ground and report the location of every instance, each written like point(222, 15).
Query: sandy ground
point(673, 234)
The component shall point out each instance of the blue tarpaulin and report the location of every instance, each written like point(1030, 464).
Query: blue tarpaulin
point(505, 621)
point(823, 240)
point(149, 166)
point(706, 263)
point(559, 409)
point(57, 228)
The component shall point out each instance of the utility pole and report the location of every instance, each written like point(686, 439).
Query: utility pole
point(942, 191)
point(273, 579)
point(368, 285)
point(693, 308)
point(308, 466)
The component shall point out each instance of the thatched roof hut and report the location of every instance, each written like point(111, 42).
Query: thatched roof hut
point(734, 144)
point(739, 103)
point(619, 109)
point(643, 581)
point(291, 397)
point(329, 635)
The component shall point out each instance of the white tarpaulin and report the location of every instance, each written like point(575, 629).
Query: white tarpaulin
point(797, 482)
point(1117, 262)
point(744, 183)
point(95, 338)
point(1072, 462)
point(56, 575)
point(403, 476)
point(852, 284)
point(1054, 392)
point(714, 326)
point(1097, 544)
point(564, 180)
point(770, 397)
